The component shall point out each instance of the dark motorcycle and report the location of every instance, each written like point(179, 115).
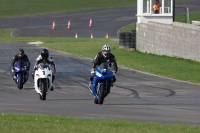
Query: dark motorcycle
point(20, 73)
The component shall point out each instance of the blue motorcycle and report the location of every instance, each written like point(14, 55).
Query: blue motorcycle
point(20, 73)
point(102, 82)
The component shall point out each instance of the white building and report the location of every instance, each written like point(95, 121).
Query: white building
point(146, 13)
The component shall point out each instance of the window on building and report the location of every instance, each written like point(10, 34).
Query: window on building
point(167, 7)
point(157, 6)
point(146, 6)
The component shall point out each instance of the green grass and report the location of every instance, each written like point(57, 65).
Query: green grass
point(9, 8)
point(193, 16)
point(128, 28)
point(17, 123)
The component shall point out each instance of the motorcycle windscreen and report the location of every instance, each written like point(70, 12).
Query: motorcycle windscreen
point(42, 66)
point(20, 65)
point(104, 67)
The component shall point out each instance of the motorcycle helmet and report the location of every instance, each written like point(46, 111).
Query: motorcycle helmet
point(21, 52)
point(44, 54)
point(106, 50)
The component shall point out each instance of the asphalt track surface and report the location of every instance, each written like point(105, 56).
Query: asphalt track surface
point(136, 96)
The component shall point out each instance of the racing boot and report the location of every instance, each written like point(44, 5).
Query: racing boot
point(112, 81)
point(33, 76)
point(90, 86)
point(13, 77)
point(52, 88)
point(26, 76)
point(52, 82)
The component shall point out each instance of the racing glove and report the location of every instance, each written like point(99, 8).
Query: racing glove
point(114, 72)
point(53, 71)
point(92, 71)
point(12, 70)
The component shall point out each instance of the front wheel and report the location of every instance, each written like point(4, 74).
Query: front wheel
point(95, 101)
point(20, 81)
point(43, 88)
point(101, 95)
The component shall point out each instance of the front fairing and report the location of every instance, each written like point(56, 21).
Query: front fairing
point(44, 71)
point(103, 72)
point(20, 67)
point(103, 75)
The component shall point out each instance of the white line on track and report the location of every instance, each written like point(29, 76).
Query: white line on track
point(165, 108)
point(11, 34)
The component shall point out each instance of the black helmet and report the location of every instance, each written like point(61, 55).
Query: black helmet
point(21, 52)
point(45, 54)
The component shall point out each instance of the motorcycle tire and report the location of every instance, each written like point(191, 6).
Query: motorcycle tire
point(101, 95)
point(20, 82)
point(95, 101)
point(43, 86)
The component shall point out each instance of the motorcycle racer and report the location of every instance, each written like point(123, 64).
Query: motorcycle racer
point(44, 57)
point(104, 55)
point(17, 57)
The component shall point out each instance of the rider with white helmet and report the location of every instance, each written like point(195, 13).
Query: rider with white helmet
point(104, 55)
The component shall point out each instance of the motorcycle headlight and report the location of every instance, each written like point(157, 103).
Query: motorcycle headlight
point(16, 68)
point(98, 74)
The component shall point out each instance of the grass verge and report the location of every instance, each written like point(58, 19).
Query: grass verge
point(17, 123)
point(193, 16)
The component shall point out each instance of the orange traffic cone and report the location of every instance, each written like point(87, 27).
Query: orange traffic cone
point(106, 35)
point(90, 24)
point(91, 35)
point(68, 26)
point(76, 35)
point(53, 26)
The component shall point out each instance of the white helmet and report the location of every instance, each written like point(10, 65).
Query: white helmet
point(106, 50)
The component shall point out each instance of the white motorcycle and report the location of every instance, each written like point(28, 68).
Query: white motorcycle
point(43, 79)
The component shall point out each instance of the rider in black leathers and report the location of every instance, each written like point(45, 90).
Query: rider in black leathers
point(20, 56)
point(104, 56)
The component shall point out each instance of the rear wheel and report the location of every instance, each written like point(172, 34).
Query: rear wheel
point(101, 95)
point(43, 87)
point(20, 81)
